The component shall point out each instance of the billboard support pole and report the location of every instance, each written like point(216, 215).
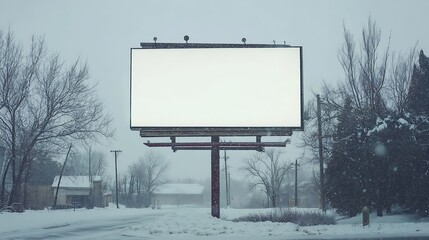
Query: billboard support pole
point(215, 146)
point(215, 177)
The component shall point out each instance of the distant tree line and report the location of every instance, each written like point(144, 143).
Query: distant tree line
point(376, 128)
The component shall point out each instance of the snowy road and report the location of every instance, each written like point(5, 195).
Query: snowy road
point(119, 229)
point(195, 224)
point(109, 228)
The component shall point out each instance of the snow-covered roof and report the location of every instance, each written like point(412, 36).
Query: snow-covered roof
point(74, 181)
point(180, 188)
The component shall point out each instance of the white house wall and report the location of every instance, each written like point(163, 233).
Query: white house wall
point(61, 198)
point(63, 193)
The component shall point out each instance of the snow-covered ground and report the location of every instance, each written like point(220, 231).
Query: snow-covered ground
point(191, 223)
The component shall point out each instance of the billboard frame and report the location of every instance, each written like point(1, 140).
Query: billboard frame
point(215, 132)
point(178, 131)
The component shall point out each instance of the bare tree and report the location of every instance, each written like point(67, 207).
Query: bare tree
point(147, 175)
point(44, 103)
point(125, 190)
point(156, 169)
point(267, 171)
point(365, 72)
point(365, 78)
point(372, 69)
point(92, 162)
point(16, 75)
point(99, 164)
point(329, 111)
point(399, 80)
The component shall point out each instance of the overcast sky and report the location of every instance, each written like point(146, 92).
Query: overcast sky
point(102, 32)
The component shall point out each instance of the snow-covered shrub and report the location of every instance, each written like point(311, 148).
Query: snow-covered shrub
point(302, 218)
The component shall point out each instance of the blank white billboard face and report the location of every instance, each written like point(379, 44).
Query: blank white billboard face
point(216, 87)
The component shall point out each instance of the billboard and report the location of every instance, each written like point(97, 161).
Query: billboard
point(216, 90)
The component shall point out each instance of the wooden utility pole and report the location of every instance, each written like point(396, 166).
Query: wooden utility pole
point(229, 189)
point(226, 179)
point(59, 178)
point(296, 182)
point(91, 195)
point(319, 136)
point(89, 165)
point(116, 175)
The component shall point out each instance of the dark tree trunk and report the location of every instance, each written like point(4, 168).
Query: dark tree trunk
point(380, 203)
point(273, 201)
point(16, 192)
point(3, 185)
point(26, 205)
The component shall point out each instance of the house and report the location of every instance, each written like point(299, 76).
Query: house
point(178, 194)
point(78, 191)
